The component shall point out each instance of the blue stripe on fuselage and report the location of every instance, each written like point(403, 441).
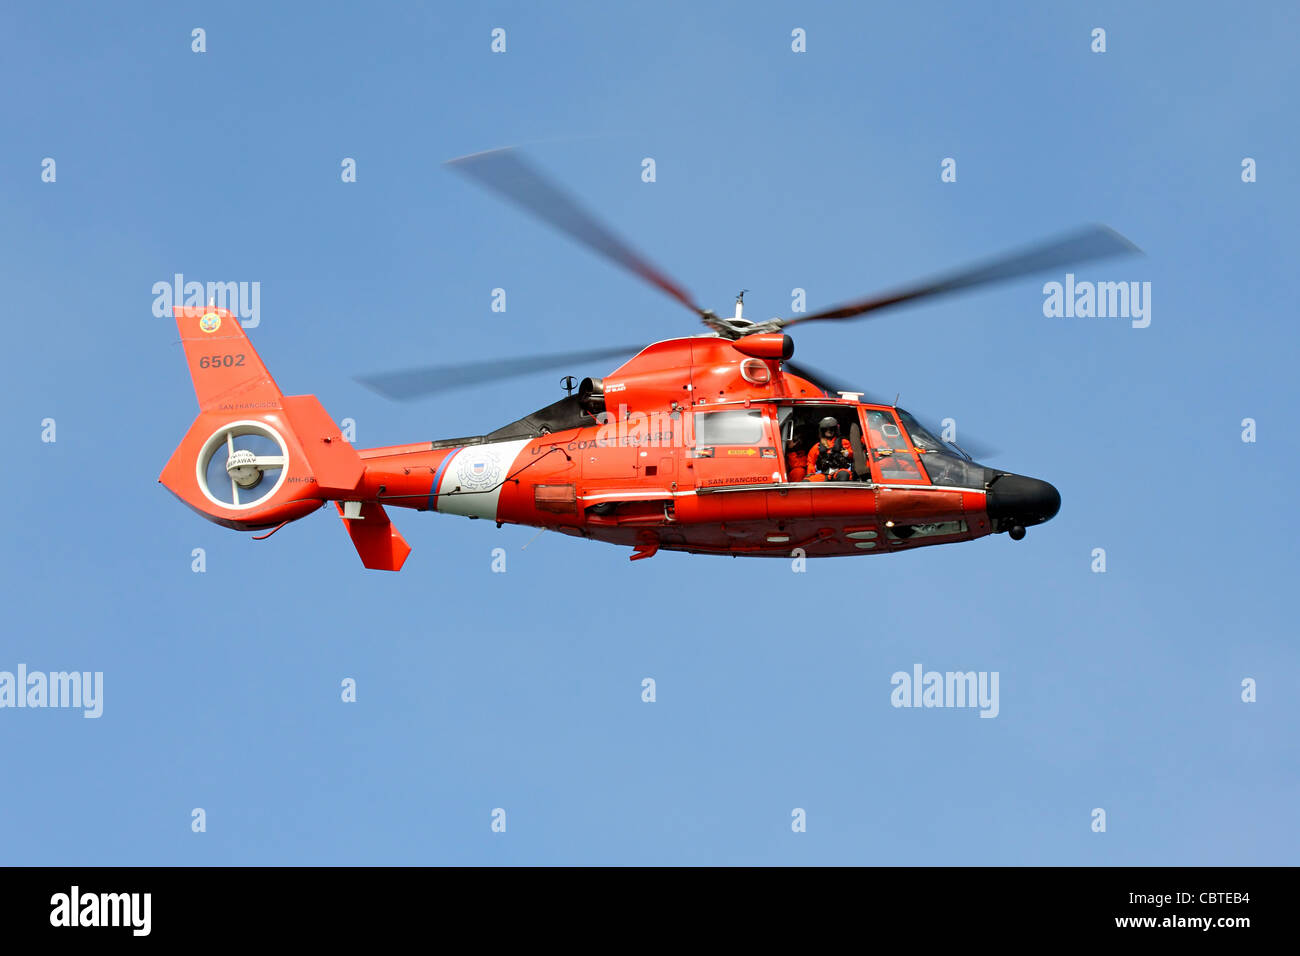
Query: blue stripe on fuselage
point(437, 478)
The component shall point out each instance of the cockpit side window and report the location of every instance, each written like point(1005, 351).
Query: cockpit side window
point(889, 448)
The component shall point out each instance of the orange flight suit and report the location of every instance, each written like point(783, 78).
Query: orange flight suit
point(892, 462)
point(815, 452)
point(796, 465)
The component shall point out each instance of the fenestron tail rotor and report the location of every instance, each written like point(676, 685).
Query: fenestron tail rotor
point(242, 464)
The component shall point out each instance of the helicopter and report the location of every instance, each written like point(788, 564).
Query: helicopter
point(698, 444)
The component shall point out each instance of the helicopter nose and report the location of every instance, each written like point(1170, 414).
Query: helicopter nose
point(1018, 501)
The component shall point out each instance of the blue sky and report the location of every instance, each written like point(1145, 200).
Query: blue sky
point(775, 170)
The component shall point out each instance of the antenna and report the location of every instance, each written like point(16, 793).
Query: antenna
point(740, 303)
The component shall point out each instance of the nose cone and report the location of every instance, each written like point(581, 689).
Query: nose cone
point(1017, 499)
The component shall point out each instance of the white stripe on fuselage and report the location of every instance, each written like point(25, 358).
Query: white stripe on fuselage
point(471, 482)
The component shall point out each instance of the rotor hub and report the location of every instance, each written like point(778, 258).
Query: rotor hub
point(242, 468)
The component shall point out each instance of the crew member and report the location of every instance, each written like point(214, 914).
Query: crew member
point(895, 460)
point(796, 461)
point(831, 459)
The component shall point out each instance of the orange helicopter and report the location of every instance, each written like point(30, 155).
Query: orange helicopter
point(711, 444)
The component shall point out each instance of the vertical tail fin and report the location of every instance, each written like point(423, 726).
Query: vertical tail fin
point(223, 364)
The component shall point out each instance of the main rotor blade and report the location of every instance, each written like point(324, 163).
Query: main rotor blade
point(412, 383)
point(505, 172)
point(831, 386)
point(1085, 245)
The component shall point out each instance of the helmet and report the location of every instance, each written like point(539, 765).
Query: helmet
point(829, 424)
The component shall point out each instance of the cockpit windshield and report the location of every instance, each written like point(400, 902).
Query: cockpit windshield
point(945, 462)
point(924, 440)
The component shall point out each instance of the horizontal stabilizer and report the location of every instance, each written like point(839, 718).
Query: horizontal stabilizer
point(380, 545)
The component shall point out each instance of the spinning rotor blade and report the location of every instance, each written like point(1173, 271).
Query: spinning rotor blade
point(413, 383)
point(1085, 245)
point(828, 384)
point(504, 172)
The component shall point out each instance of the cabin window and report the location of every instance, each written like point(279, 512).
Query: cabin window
point(737, 427)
